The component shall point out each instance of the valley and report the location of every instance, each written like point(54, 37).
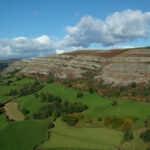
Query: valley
point(100, 125)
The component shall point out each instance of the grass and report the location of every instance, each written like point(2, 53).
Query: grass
point(3, 122)
point(31, 103)
point(23, 135)
point(12, 111)
point(63, 136)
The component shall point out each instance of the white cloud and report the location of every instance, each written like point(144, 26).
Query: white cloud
point(119, 27)
point(59, 51)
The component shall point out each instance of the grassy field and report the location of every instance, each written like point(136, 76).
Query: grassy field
point(3, 122)
point(31, 103)
point(23, 135)
point(63, 137)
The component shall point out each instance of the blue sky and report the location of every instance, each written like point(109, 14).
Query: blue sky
point(32, 28)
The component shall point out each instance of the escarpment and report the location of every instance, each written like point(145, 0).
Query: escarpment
point(120, 67)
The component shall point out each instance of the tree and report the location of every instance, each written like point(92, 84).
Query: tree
point(99, 119)
point(117, 121)
point(127, 125)
point(70, 120)
point(107, 121)
point(114, 103)
point(147, 122)
point(145, 136)
point(25, 111)
point(79, 94)
point(148, 148)
point(91, 90)
point(128, 136)
point(50, 80)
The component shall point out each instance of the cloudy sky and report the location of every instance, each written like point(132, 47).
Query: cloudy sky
point(33, 28)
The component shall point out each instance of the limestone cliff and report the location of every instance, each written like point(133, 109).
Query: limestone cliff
point(120, 67)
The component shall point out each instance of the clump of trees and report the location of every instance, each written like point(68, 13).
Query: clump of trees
point(117, 121)
point(48, 97)
point(26, 89)
point(114, 121)
point(56, 107)
point(131, 90)
point(70, 119)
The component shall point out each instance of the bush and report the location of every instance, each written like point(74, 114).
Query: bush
point(115, 103)
point(26, 118)
point(25, 111)
point(133, 85)
point(147, 122)
point(145, 136)
point(91, 90)
point(70, 120)
point(127, 125)
point(107, 121)
point(51, 125)
point(117, 121)
point(49, 80)
point(148, 148)
point(79, 94)
point(128, 136)
point(1, 110)
point(99, 119)
point(135, 119)
point(36, 95)
point(88, 120)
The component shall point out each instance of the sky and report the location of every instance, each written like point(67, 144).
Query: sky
point(37, 28)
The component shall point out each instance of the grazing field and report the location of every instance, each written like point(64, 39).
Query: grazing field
point(23, 135)
point(3, 122)
point(63, 136)
point(12, 111)
point(30, 103)
point(71, 138)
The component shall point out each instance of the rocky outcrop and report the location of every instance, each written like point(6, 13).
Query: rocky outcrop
point(114, 66)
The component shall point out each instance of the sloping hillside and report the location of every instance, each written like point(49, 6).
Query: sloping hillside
point(120, 67)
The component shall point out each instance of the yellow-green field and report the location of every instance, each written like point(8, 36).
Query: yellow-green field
point(12, 112)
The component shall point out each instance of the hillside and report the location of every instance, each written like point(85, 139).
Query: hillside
point(120, 67)
point(36, 115)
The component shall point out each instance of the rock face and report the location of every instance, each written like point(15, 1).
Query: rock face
point(120, 67)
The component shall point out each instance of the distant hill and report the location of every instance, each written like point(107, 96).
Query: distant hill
point(5, 63)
